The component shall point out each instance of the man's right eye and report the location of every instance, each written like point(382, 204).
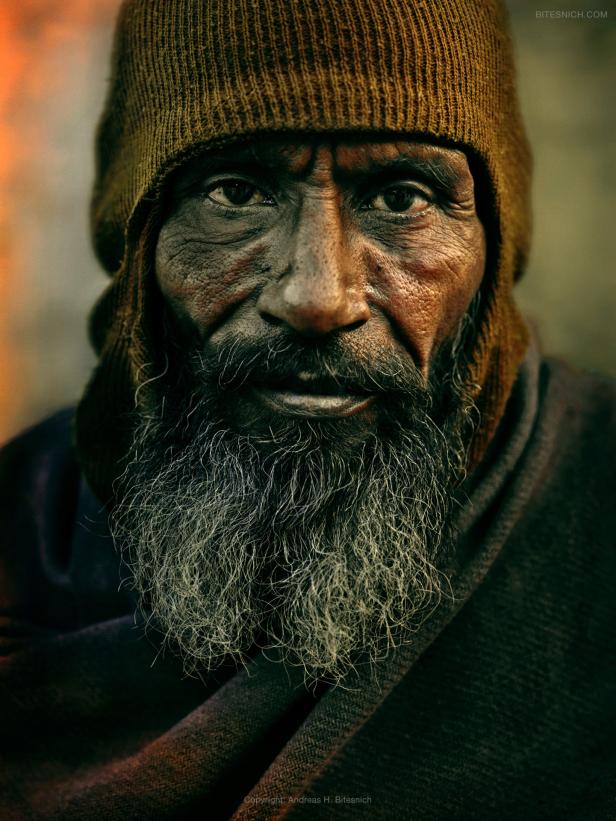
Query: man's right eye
point(235, 193)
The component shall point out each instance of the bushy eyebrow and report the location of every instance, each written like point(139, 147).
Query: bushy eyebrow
point(435, 171)
point(191, 176)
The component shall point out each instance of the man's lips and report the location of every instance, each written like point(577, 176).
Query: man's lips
point(322, 406)
point(307, 395)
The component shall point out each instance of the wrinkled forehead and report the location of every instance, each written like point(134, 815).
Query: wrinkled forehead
point(297, 156)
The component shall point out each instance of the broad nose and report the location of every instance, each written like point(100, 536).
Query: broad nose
point(320, 291)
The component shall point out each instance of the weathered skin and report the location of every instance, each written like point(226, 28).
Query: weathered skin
point(377, 241)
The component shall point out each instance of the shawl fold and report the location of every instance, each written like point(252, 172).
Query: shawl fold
point(504, 700)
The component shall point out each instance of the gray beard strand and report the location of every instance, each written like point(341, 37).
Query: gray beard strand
point(327, 556)
point(330, 559)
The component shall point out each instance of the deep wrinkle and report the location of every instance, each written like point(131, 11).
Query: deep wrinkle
point(329, 256)
point(270, 168)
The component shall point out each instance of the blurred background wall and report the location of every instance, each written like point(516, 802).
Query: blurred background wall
point(53, 70)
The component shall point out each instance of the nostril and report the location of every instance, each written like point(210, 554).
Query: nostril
point(354, 325)
point(271, 319)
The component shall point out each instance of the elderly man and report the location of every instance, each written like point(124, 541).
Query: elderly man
point(361, 562)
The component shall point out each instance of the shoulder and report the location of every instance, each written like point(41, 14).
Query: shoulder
point(560, 497)
point(39, 482)
point(577, 410)
point(580, 390)
point(569, 474)
point(36, 464)
point(52, 435)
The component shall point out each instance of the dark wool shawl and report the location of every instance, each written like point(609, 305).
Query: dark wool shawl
point(503, 706)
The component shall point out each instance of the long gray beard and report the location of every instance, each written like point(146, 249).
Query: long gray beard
point(327, 553)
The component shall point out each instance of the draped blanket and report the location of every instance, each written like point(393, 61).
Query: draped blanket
point(503, 705)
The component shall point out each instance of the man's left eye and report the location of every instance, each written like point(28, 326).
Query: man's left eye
point(400, 199)
point(235, 193)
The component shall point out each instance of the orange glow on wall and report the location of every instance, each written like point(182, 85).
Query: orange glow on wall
point(43, 44)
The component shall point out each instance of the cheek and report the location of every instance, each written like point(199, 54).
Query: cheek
point(202, 283)
point(426, 290)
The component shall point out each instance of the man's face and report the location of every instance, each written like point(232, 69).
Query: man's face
point(291, 484)
point(376, 245)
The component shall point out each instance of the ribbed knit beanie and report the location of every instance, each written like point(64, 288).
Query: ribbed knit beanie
point(192, 74)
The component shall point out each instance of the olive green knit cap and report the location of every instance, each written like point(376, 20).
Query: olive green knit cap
point(193, 74)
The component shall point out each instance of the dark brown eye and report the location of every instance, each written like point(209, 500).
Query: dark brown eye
point(236, 193)
point(400, 199)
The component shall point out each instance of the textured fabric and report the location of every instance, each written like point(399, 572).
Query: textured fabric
point(503, 706)
point(193, 74)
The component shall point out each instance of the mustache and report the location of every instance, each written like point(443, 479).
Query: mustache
point(329, 365)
